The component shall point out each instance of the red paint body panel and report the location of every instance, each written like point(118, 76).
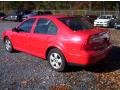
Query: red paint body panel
point(72, 44)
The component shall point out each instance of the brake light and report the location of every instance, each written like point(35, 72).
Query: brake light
point(98, 41)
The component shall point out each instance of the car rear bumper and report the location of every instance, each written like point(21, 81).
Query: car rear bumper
point(89, 58)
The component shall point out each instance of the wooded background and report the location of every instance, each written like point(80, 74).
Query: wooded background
point(60, 5)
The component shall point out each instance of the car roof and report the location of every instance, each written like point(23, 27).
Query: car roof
point(52, 16)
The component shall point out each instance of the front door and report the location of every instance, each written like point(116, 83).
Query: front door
point(21, 37)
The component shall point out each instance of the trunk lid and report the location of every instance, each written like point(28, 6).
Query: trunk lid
point(96, 38)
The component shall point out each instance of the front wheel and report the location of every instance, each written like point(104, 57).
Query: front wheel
point(8, 45)
point(56, 60)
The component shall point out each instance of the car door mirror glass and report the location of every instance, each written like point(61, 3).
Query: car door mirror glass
point(15, 29)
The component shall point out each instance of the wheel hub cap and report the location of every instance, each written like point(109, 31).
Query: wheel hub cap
point(8, 44)
point(55, 60)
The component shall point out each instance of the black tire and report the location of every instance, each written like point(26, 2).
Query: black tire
point(61, 61)
point(110, 25)
point(115, 27)
point(10, 49)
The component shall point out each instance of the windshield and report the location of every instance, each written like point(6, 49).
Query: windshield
point(76, 23)
point(105, 17)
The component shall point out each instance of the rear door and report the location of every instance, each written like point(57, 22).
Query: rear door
point(43, 34)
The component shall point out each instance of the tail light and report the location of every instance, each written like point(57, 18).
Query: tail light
point(98, 41)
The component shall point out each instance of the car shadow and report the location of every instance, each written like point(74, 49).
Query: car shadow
point(16, 51)
point(110, 64)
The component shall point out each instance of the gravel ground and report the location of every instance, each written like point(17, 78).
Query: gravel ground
point(21, 71)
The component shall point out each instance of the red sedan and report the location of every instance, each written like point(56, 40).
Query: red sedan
point(61, 40)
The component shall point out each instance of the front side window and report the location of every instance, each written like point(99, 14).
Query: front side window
point(27, 25)
point(45, 26)
point(76, 23)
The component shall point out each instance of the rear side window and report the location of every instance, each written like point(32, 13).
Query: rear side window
point(45, 26)
point(76, 23)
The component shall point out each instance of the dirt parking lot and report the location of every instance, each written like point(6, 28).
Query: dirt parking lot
point(21, 71)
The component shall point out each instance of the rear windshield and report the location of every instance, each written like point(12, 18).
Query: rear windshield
point(76, 23)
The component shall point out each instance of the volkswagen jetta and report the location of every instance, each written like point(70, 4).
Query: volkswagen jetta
point(59, 39)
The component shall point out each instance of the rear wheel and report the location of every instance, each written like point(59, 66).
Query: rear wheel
point(56, 60)
point(8, 45)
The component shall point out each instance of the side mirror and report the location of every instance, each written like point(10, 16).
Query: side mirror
point(15, 29)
